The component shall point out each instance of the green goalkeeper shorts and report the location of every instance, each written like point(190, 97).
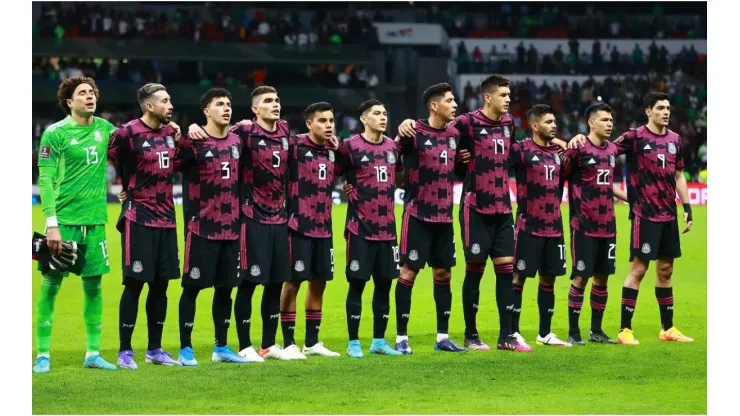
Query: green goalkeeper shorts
point(97, 248)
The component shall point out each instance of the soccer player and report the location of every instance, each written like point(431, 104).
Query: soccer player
point(311, 160)
point(656, 175)
point(369, 161)
point(211, 194)
point(73, 186)
point(427, 235)
point(590, 173)
point(144, 150)
point(539, 248)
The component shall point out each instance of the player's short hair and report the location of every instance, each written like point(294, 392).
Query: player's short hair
point(653, 97)
point(264, 89)
point(367, 105)
point(435, 92)
point(146, 92)
point(538, 111)
point(492, 82)
point(595, 108)
point(211, 94)
point(67, 89)
point(319, 107)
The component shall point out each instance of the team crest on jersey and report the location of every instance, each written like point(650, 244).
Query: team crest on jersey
point(612, 161)
point(414, 255)
point(646, 248)
point(195, 273)
point(354, 266)
point(285, 143)
point(391, 157)
point(235, 152)
point(453, 143)
point(98, 136)
point(331, 155)
point(507, 132)
point(138, 268)
point(557, 159)
point(255, 271)
point(299, 267)
point(581, 266)
point(170, 142)
point(475, 249)
point(672, 148)
point(521, 265)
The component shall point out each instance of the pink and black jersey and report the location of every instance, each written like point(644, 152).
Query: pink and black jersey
point(310, 185)
point(653, 160)
point(429, 162)
point(591, 177)
point(211, 185)
point(144, 157)
point(371, 169)
point(486, 186)
point(539, 188)
point(264, 172)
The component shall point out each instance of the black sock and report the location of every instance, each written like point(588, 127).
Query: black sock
point(270, 313)
point(665, 303)
point(287, 323)
point(629, 303)
point(127, 311)
point(403, 305)
point(313, 323)
point(599, 295)
point(156, 312)
point(575, 304)
point(517, 311)
point(504, 297)
point(381, 307)
point(443, 302)
point(546, 302)
point(221, 310)
point(354, 307)
point(471, 297)
point(187, 314)
point(243, 313)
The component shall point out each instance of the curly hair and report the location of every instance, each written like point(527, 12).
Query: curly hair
point(68, 87)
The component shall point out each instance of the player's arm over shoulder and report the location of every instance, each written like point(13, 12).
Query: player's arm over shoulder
point(184, 153)
point(626, 142)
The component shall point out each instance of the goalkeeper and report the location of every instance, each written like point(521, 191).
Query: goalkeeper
point(73, 161)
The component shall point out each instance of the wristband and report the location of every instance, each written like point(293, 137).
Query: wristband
point(51, 222)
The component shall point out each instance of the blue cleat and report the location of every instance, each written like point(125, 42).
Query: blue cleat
point(225, 355)
point(42, 365)
point(354, 349)
point(187, 358)
point(403, 347)
point(96, 361)
point(447, 345)
point(381, 346)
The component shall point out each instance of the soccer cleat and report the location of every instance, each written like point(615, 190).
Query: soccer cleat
point(552, 340)
point(187, 358)
point(673, 334)
point(600, 337)
point(42, 365)
point(447, 345)
point(626, 337)
point(320, 349)
point(96, 361)
point(512, 343)
point(475, 343)
point(520, 339)
point(126, 360)
point(382, 347)
point(293, 353)
point(275, 352)
point(226, 355)
point(354, 349)
point(251, 355)
point(403, 347)
point(574, 338)
point(160, 357)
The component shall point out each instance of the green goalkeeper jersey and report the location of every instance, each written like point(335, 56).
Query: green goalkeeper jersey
point(73, 165)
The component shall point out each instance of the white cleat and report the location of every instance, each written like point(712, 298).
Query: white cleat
point(320, 349)
point(520, 339)
point(552, 340)
point(251, 355)
point(275, 352)
point(293, 353)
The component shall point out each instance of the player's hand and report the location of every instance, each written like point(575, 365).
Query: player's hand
point(54, 240)
point(347, 188)
point(66, 259)
point(577, 141)
point(687, 218)
point(464, 156)
point(561, 144)
point(121, 196)
point(334, 142)
point(196, 132)
point(407, 128)
point(178, 131)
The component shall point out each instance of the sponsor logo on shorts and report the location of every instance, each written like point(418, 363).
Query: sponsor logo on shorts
point(195, 273)
point(414, 255)
point(475, 249)
point(138, 268)
point(255, 271)
point(646, 248)
point(521, 265)
point(299, 267)
point(581, 266)
point(354, 265)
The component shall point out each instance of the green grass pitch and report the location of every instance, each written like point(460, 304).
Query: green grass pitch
point(652, 378)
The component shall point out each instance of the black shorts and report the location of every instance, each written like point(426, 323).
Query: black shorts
point(652, 240)
point(211, 263)
point(311, 258)
point(264, 252)
point(545, 255)
point(592, 255)
point(149, 253)
point(379, 258)
point(486, 236)
point(424, 243)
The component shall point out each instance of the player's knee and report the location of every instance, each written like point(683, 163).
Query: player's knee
point(290, 289)
point(519, 279)
point(442, 276)
point(547, 280)
point(503, 260)
point(638, 268)
point(601, 280)
point(665, 271)
point(408, 274)
point(580, 282)
point(317, 287)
